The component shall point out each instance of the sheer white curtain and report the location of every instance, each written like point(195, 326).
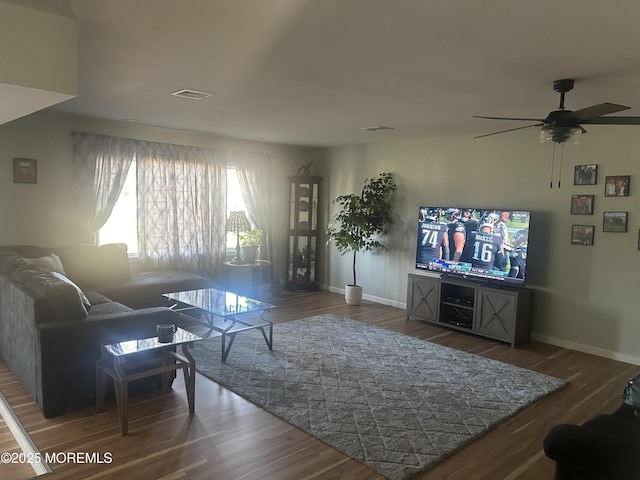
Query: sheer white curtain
point(182, 195)
point(101, 166)
point(254, 176)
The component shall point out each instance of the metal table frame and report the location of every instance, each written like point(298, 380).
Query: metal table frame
point(230, 323)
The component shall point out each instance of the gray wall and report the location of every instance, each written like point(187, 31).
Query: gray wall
point(585, 296)
point(43, 214)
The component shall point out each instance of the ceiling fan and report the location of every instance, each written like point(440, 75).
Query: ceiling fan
point(565, 125)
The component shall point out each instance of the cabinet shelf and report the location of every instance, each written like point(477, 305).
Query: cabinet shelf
point(498, 313)
point(457, 305)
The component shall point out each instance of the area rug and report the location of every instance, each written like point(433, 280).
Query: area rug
point(393, 402)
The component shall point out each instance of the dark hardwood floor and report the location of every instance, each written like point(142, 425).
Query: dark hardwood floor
point(230, 438)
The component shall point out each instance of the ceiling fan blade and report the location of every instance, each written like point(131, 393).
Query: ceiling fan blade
point(613, 121)
point(509, 130)
point(595, 111)
point(510, 118)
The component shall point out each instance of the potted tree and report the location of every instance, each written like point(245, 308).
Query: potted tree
point(360, 220)
point(250, 242)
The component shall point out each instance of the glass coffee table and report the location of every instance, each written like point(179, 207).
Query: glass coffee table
point(224, 312)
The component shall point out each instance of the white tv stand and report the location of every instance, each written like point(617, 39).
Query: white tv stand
point(499, 313)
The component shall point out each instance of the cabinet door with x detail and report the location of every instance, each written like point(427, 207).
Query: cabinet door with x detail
point(497, 314)
point(424, 298)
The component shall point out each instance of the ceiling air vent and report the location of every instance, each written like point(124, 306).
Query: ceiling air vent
point(191, 94)
point(377, 128)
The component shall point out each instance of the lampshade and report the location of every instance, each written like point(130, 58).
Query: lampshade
point(560, 134)
point(238, 222)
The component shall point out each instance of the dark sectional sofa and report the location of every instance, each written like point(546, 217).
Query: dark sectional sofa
point(51, 320)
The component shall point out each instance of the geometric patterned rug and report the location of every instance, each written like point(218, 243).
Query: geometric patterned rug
point(393, 402)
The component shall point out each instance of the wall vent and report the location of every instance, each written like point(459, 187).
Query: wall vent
point(191, 94)
point(377, 128)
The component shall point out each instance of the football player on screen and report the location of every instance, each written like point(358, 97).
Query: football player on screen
point(433, 242)
point(457, 232)
point(471, 226)
point(487, 245)
point(518, 255)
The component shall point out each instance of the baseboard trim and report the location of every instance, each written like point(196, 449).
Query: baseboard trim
point(579, 347)
point(558, 342)
point(371, 298)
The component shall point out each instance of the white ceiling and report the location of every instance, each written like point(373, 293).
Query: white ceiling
point(314, 72)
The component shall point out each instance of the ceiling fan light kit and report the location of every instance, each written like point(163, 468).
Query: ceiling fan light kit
point(564, 125)
point(550, 133)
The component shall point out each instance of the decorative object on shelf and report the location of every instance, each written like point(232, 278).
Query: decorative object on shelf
point(305, 170)
point(303, 231)
point(250, 241)
point(585, 174)
point(25, 170)
point(582, 204)
point(362, 218)
point(614, 222)
point(616, 186)
point(582, 234)
point(236, 223)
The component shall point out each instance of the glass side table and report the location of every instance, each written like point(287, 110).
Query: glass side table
point(126, 361)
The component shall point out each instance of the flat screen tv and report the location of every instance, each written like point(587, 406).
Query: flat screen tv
point(485, 245)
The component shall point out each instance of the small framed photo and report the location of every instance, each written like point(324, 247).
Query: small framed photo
point(582, 204)
point(582, 234)
point(585, 174)
point(616, 186)
point(25, 170)
point(614, 222)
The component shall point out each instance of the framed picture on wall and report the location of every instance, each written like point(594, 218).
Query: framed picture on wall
point(582, 204)
point(582, 234)
point(25, 170)
point(616, 186)
point(614, 222)
point(585, 174)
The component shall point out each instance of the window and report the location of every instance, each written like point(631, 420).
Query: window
point(122, 226)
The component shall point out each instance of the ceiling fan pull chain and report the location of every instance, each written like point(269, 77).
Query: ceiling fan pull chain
point(553, 162)
point(560, 169)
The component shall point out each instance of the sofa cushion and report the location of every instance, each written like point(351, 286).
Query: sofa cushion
point(145, 289)
point(83, 297)
point(52, 296)
point(95, 298)
point(50, 263)
point(91, 266)
point(108, 308)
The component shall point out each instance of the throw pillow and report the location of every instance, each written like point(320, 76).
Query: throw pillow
point(85, 300)
point(50, 263)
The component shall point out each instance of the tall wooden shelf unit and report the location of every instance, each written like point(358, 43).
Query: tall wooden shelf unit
point(303, 232)
point(499, 313)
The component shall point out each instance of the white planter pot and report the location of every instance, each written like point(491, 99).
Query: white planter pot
point(353, 294)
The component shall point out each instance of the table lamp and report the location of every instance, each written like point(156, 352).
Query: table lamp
point(237, 222)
